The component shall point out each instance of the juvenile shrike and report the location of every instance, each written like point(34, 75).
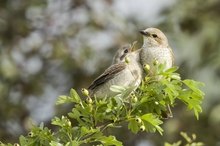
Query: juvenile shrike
point(125, 73)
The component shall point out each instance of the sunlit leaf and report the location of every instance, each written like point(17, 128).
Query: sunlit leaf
point(194, 85)
point(133, 126)
point(74, 95)
point(109, 141)
point(117, 89)
point(152, 123)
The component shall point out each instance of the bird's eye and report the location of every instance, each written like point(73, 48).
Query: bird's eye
point(154, 35)
point(126, 51)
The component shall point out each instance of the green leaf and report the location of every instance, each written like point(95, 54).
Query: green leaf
point(22, 140)
point(54, 143)
point(194, 85)
point(174, 144)
point(74, 95)
point(85, 131)
point(192, 100)
point(186, 137)
point(171, 89)
point(109, 141)
point(172, 69)
point(118, 101)
point(62, 122)
point(117, 89)
point(73, 98)
point(63, 99)
point(74, 143)
point(175, 76)
point(152, 123)
point(133, 126)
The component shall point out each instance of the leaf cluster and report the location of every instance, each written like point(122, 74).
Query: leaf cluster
point(188, 141)
point(141, 109)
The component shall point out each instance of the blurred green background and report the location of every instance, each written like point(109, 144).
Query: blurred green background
point(48, 47)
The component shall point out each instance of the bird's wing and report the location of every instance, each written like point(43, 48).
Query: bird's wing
point(108, 74)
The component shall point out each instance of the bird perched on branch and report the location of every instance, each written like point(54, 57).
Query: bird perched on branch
point(156, 48)
point(127, 73)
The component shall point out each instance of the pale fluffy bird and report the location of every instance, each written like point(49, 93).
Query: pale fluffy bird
point(156, 48)
point(126, 74)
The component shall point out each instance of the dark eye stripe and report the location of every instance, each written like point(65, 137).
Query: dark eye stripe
point(154, 35)
point(126, 51)
point(122, 57)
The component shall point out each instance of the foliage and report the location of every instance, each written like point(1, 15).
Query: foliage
point(141, 110)
point(190, 141)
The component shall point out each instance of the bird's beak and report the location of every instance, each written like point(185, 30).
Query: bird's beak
point(144, 33)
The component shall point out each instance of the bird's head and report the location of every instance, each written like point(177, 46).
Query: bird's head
point(124, 50)
point(153, 37)
point(122, 53)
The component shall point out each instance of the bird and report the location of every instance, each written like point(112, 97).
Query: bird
point(127, 73)
point(156, 48)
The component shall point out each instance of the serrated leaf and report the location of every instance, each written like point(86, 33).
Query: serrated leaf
point(175, 76)
point(84, 131)
point(74, 114)
point(192, 100)
point(22, 140)
point(194, 85)
point(63, 99)
point(133, 126)
point(73, 143)
point(152, 123)
point(109, 141)
point(172, 69)
point(56, 121)
point(75, 96)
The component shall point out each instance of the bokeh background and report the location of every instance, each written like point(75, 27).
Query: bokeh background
point(50, 46)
